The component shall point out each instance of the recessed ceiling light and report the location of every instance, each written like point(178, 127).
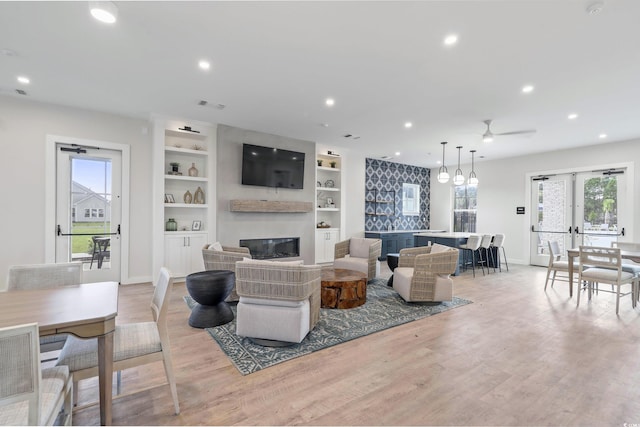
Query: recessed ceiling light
point(450, 40)
point(330, 102)
point(104, 11)
point(205, 65)
point(24, 80)
point(572, 116)
point(602, 135)
point(397, 153)
point(324, 125)
point(527, 89)
point(408, 125)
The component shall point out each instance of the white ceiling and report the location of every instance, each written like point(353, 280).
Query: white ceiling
point(384, 63)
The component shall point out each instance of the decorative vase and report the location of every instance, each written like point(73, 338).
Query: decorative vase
point(198, 196)
point(193, 171)
point(188, 198)
point(172, 225)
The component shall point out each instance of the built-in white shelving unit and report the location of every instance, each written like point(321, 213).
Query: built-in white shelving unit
point(183, 191)
point(329, 202)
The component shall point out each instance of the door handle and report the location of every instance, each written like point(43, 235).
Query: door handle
point(576, 230)
point(569, 229)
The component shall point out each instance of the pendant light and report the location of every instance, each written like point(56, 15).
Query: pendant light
point(458, 177)
point(473, 180)
point(443, 173)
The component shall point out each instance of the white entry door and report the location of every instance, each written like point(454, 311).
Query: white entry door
point(89, 210)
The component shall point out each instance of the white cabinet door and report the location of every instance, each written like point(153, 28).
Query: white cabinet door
point(325, 244)
point(183, 253)
point(175, 255)
point(196, 242)
point(330, 243)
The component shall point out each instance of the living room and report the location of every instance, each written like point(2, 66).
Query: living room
point(393, 362)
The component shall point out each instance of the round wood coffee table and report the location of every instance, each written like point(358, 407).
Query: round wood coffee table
point(343, 288)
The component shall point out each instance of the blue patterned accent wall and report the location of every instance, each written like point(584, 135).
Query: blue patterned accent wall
point(383, 183)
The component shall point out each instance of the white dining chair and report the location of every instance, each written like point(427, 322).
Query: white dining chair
point(604, 265)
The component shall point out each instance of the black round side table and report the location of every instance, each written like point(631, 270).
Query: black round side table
point(209, 290)
point(392, 262)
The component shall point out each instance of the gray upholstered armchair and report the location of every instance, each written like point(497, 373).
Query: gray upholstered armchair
point(423, 273)
point(359, 254)
point(219, 257)
point(279, 301)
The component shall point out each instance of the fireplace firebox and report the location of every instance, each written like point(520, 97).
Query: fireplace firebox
point(281, 247)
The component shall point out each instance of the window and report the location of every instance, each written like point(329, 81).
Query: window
point(410, 199)
point(465, 203)
point(100, 213)
point(87, 213)
point(94, 213)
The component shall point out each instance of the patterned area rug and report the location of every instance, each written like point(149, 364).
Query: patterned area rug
point(384, 309)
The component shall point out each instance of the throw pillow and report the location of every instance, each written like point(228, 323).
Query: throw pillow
point(437, 248)
point(215, 246)
point(359, 247)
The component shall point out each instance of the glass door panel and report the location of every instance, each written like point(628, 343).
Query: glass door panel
point(551, 215)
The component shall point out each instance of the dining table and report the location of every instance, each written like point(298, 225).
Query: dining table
point(87, 311)
point(575, 252)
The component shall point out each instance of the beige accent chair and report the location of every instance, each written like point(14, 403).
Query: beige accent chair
point(30, 395)
point(219, 257)
point(359, 254)
point(279, 301)
point(134, 344)
point(423, 273)
point(40, 276)
point(604, 265)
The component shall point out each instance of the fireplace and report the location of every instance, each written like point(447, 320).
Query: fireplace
point(285, 247)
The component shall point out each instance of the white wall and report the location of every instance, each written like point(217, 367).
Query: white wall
point(234, 226)
point(504, 184)
point(24, 126)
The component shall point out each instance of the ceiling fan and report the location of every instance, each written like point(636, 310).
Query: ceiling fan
point(488, 135)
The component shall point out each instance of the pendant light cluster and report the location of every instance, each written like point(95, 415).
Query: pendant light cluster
point(458, 177)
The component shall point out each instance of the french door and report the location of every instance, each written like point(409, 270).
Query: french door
point(580, 208)
point(89, 210)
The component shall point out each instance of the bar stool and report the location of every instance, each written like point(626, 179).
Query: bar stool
point(473, 243)
point(498, 241)
point(485, 244)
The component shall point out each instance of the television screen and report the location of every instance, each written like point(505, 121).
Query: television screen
point(272, 167)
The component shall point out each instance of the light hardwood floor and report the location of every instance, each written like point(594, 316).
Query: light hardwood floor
point(516, 356)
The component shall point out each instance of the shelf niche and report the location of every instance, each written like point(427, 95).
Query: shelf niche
point(270, 206)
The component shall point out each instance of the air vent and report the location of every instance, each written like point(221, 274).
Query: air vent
point(351, 136)
point(386, 157)
point(20, 92)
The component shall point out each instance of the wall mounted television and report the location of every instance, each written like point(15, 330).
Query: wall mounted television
point(272, 167)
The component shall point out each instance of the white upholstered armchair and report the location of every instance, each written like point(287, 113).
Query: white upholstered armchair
point(423, 273)
point(219, 257)
point(359, 254)
point(279, 301)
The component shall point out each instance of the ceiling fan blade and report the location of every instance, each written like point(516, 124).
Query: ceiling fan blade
point(518, 132)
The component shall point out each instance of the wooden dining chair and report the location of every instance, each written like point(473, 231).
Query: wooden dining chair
point(30, 395)
point(40, 276)
point(604, 265)
point(134, 344)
